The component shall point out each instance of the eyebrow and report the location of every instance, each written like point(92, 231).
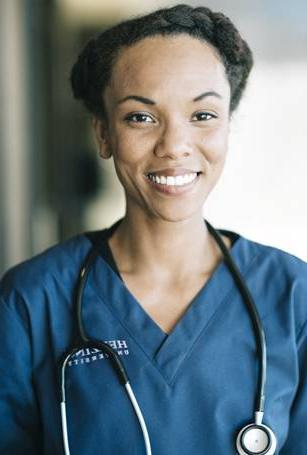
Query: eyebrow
point(205, 94)
point(144, 100)
point(141, 99)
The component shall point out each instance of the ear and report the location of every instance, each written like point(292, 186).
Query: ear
point(101, 134)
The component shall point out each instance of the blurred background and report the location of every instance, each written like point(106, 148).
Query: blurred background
point(52, 183)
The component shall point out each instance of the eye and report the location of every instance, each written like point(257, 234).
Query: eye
point(139, 117)
point(203, 115)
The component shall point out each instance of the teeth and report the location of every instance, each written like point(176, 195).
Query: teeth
point(177, 180)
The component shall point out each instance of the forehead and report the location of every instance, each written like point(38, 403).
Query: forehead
point(168, 63)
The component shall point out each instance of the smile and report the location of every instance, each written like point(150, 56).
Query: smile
point(178, 180)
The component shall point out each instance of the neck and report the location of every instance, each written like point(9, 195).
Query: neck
point(162, 248)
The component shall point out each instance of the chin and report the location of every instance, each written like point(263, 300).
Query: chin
point(175, 216)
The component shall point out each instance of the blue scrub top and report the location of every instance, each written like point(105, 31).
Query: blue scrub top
point(196, 386)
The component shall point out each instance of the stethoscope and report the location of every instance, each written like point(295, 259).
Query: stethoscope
point(253, 439)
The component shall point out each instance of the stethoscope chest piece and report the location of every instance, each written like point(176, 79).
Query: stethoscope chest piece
point(256, 439)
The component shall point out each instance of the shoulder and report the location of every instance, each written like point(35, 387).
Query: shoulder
point(282, 278)
point(59, 263)
point(279, 261)
point(270, 257)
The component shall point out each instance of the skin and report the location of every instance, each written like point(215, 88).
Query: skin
point(162, 247)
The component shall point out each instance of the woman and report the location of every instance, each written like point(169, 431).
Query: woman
point(159, 292)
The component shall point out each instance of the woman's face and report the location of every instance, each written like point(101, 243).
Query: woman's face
point(168, 124)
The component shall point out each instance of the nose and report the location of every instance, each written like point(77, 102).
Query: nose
point(174, 142)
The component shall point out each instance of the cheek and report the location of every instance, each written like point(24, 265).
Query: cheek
point(130, 149)
point(129, 157)
point(215, 145)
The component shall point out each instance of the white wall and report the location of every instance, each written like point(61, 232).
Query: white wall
point(263, 192)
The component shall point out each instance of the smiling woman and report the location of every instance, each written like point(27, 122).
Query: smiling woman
point(163, 129)
point(191, 311)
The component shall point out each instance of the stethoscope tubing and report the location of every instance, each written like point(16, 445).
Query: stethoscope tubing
point(123, 379)
point(257, 324)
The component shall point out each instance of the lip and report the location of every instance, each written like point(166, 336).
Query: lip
point(172, 171)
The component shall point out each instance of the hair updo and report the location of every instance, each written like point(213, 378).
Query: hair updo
point(92, 70)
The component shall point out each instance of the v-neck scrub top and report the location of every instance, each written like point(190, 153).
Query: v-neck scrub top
point(196, 386)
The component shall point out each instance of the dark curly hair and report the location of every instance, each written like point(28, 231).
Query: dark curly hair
point(92, 70)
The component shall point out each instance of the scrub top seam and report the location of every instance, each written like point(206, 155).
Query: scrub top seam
point(267, 312)
point(16, 317)
point(18, 320)
point(6, 304)
point(300, 332)
point(152, 362)
point(227, 296)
